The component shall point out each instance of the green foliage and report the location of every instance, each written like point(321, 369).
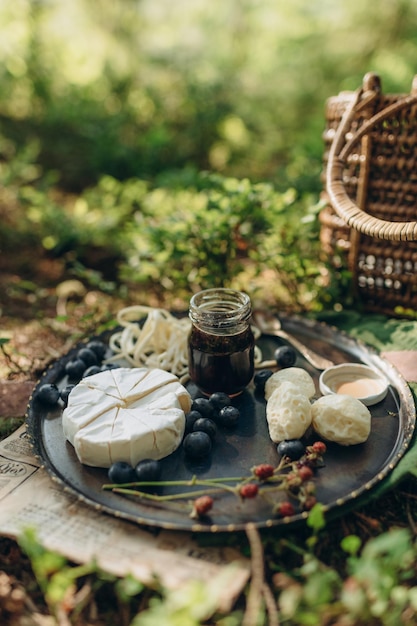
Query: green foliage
point(60, 580)
point(9, 424)
point(190, 605)
point(197, 238)
point(236, 87)
point(316, 519)
point(192, 231)
point(383, 574)
point(53, 574)
point(150, 96)
point(128, 587)
point(228, 232)
point(378, 588)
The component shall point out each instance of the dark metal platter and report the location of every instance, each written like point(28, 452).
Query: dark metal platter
point(349, 472)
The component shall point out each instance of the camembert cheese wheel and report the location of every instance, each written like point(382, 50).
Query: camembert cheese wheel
point(126, 414)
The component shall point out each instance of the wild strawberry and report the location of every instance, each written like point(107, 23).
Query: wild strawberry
point(263, 471)
point(249, 490)
point(285, 509)
point(201, 506)
point(305, 472)
point(319, 447)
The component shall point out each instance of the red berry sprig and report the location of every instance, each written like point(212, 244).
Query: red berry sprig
point(248, 490)
point(319, 448)
point(285, 509)
point(201, 506)
point(294, 478)
point(263, 471)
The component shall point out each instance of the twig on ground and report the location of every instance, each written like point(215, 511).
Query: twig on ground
point(258, 589)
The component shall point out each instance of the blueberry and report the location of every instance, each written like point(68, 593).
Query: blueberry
point(98, 347)
point(197, 445)
point(65, 392)
point(285, 356)
point(260, 379)
point(228, 416)
point(190, 418)
point(203, 406)
point(48, 394)
point(88, 356)
point(219, 399)
point(75, 369)
point(148, 470)
point(93, 369)
point(205, 425)
point(291, 448)
point(121, 472)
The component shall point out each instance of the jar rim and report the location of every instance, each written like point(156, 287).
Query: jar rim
point(232, 306)
point(208, 296)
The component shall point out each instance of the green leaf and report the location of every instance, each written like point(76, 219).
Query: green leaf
point(351, 544)
point(128, 587)
point(316, 519)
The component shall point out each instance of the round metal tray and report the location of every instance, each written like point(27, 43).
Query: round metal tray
point(349, 472)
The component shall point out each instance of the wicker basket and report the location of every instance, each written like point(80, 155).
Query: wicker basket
point(368, 225)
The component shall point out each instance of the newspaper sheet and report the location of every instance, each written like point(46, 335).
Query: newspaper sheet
point(29, 498)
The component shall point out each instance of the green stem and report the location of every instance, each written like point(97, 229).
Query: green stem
point(180, 483)
point(158, 498)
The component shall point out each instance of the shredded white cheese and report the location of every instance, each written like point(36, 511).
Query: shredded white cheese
point(161, 342)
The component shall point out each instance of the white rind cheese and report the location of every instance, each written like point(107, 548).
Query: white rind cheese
point(126, 414)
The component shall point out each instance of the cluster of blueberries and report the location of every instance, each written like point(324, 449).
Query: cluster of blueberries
point(87, 361)
point(203, 420)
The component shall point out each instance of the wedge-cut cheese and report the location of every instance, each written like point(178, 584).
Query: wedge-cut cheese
point(126, 414)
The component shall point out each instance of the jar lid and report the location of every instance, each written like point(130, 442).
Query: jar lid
point(354, 379)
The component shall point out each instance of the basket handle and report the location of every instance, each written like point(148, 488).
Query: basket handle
point(351, 214)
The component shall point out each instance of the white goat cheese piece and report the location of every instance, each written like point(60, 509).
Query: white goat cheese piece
point(288, 412)
point(342, 419)
point(126, 414)
point(296, 375)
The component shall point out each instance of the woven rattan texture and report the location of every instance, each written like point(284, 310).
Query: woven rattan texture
point(380, 175)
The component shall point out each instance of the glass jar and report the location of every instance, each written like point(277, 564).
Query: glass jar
point(221, 343)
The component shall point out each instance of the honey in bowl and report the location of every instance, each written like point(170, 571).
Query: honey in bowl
point(354, 379)
point(361, 387)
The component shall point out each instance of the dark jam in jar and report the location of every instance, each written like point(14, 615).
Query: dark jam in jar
point(221, 343)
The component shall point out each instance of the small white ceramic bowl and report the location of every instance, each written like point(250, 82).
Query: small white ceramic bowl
point(354, 379)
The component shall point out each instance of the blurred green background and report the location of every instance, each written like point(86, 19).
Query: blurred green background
point(174, 146)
